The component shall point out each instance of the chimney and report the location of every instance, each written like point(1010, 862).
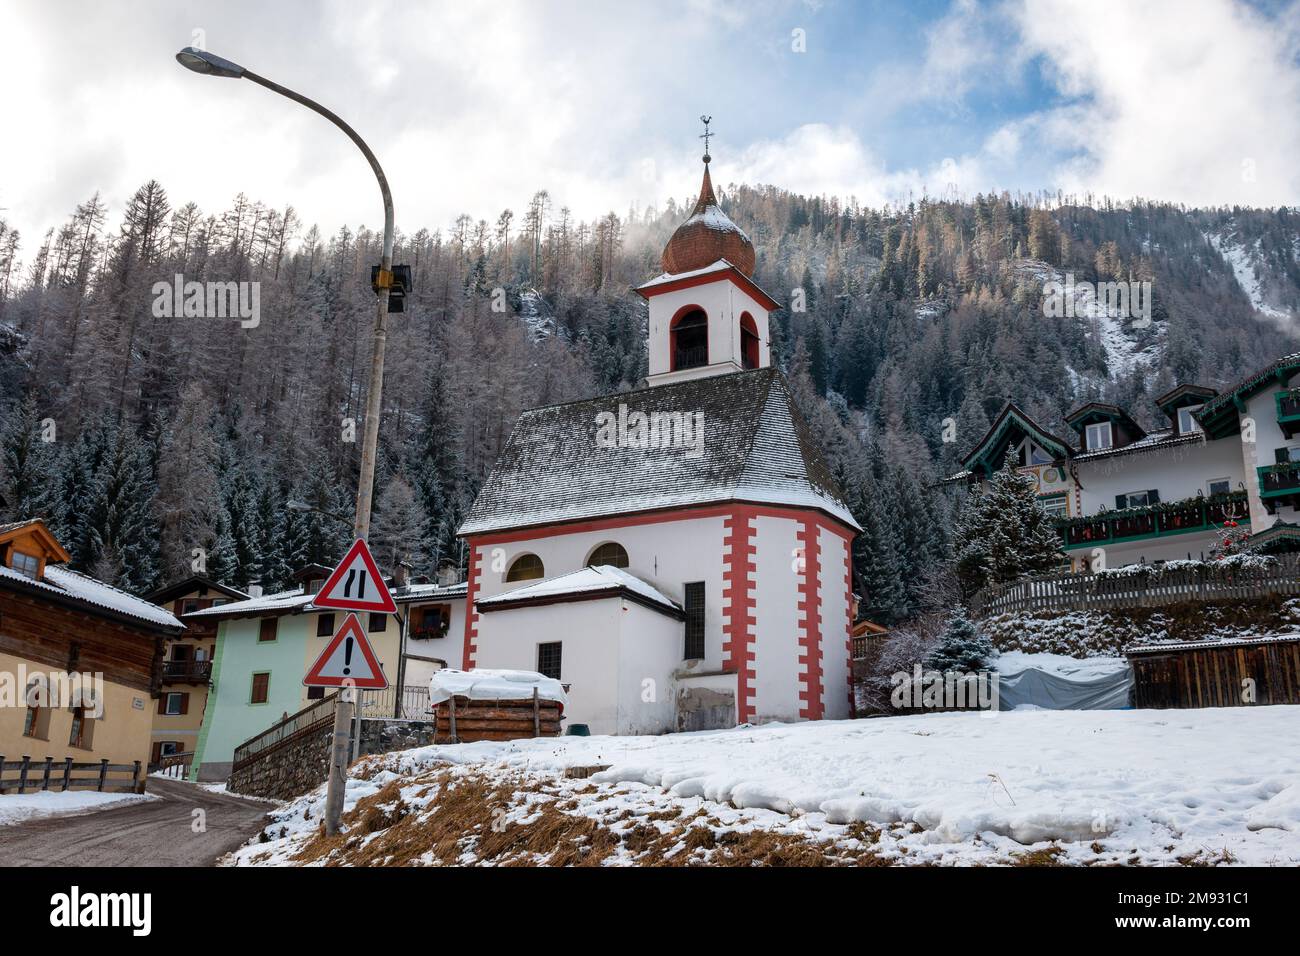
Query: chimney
point(254, 589)
point(402, 574)
point(448, 574)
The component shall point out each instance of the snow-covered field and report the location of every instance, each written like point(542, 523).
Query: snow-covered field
point(16, 808)
point(1078, 787)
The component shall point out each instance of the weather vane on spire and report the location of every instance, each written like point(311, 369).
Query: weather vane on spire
point(706, 120)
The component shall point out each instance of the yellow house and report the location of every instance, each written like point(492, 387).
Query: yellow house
point(79, 660)
point(187, 665)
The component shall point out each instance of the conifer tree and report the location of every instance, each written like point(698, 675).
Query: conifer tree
point(961, 647)
point(1003, 533)
point(25, 466)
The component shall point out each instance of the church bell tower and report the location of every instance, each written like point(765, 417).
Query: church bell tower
point(707, 315)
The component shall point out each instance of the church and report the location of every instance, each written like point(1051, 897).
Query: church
point(679, 556)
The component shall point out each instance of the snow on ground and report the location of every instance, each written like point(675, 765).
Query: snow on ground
point(1243, 268)
point(1086, 787)
point(18, 807)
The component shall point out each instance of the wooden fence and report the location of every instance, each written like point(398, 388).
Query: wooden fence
point(28, 776)
point(1219, 674)
point(462, 720)
point(1152, 586)
point(177, 765)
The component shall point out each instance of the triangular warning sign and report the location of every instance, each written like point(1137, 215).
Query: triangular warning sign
point(347, 659)
point(356, 584)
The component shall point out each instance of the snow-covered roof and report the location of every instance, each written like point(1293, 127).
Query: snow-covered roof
point(414, 593)
point(754, 448)
point(1203, 645)
point(585, 583)
point(494, 685)
point(722, 265)
point(1153, 442)
point(82, 589)
point(277, 603)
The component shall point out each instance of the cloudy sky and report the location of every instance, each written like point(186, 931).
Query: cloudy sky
point(474, 106)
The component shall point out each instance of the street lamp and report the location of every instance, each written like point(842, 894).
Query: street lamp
point(209, 64)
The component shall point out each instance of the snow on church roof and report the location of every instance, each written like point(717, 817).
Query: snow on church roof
point(586, 582)
point(753, 447)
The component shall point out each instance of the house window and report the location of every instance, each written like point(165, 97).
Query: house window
point(689, 339)
point(611, 553)
point(174, 704)
point(83, 730)
point(1056, 506)
point(694, 649)
point(1138, 499)
point(377, 623)
point(261, 688)
point(526, 567)
point(266, 632)
point(189, 606)
point(1187, 423)
point(748, 341)
point(37, 724)
point(548, 659)
point(168, 747)
point(26, 564)
point(434, 621)
point(1219, 486)
point(325, 625)
point(1099, 436)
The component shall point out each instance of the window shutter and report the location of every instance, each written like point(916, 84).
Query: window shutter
point(162, 704)
point(1121, 501)
point(185, 703)
point(1153, 496)
point(157, 752)
point(1281, 456)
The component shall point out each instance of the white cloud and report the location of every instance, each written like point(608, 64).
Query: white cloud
point(1171, 100)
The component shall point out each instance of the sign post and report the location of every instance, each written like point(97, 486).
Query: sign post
point(348, 661)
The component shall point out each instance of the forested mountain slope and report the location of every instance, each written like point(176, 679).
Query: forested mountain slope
point(175, 434)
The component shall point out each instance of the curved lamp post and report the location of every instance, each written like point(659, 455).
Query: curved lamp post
point(209, 64)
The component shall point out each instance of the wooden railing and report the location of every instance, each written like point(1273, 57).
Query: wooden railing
point(28, 775)
point(1143, 586)
point(1156, 521)
point(314, 716)
point(186, 672)
point(176, 766)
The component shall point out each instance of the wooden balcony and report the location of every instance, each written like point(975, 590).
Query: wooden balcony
point(1288, 411)
point(186, 672)
point(1279, 481)
point(1156, 521)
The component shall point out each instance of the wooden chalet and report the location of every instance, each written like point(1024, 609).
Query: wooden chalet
point(82, 662)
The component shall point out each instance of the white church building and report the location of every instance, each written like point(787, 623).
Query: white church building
point(678, 556)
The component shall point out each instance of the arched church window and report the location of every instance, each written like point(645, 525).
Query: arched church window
point(748, 341)
point(689, 336)
point(611, 553)
point(526, 567)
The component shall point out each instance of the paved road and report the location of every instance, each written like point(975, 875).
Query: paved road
point(150, 833)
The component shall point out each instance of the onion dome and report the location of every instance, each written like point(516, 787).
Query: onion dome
point(707, 237)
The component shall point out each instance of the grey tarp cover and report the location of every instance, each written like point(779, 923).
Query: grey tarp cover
point(1109, 691)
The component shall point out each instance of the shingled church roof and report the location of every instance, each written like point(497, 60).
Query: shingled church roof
point(754, 448)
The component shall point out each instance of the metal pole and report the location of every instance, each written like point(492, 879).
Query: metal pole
point(200, 61)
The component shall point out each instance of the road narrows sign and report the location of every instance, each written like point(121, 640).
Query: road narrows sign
point(356, 584)
point(348, 659)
